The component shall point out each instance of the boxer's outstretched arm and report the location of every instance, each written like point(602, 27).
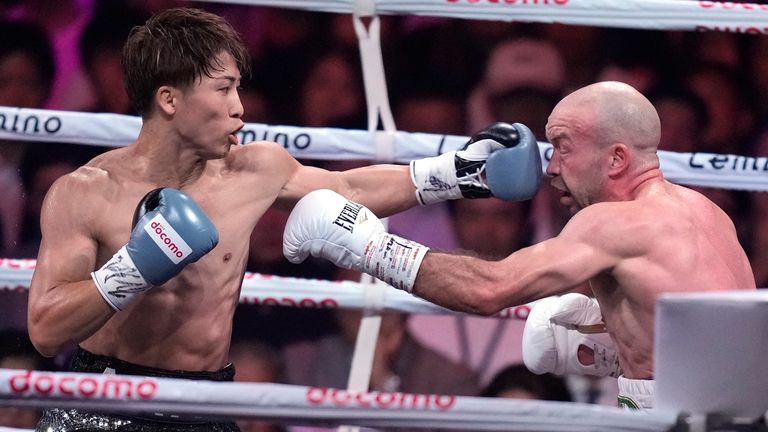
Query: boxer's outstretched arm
point(554, 266)
point(64, 305)
point(473, 285)
point(386, 189)
point(327, 225)
point(389, 189)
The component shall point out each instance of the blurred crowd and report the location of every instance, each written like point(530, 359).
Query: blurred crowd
point(445, 76)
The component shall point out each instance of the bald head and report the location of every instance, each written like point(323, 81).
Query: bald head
point(620, 113)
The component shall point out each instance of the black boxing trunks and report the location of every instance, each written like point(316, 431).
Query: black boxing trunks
point(71, 420)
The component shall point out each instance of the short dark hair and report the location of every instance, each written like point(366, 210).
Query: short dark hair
point(177, 47)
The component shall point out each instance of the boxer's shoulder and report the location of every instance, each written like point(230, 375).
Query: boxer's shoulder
point(109, 168)
point(253, 171)
point(259, 156)
point(89, 189)
point(84, 181)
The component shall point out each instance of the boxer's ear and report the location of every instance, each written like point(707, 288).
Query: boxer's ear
point(618, 157)
point(165, 97)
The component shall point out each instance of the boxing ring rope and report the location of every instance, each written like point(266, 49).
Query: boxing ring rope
point(723, 171)
point(699, 15)
point(270, 290)
point(280, 402)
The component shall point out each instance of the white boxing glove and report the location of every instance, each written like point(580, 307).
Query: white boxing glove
point(327, 225)
point(555, 328)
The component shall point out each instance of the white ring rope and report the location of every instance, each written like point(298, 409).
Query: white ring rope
point(700, 15)
point(693, 169)
point(379, 111)
point(135, 394)
point(269, 290)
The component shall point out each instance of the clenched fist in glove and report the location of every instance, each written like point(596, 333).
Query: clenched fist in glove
point(169, 231)
point(327, 225)
point(555, 329)
point(501, 160)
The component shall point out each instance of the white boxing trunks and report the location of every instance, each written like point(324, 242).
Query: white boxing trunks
point(637, 393)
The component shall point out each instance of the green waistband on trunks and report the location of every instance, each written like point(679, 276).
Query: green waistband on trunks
point(628, 402)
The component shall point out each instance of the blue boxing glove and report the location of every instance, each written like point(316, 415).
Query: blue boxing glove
point(514, 173)
point(169, 231)
point(464, 173)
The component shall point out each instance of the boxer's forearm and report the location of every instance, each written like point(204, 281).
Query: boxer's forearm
point(461, 283)
point(68, 313)
point(385, 189)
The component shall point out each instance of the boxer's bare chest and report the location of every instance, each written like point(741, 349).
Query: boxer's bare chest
point(232, 208)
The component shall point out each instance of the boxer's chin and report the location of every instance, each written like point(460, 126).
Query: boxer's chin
point(567, 200)
point(570, 203)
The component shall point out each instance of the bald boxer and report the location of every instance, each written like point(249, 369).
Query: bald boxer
point(633, 235)
point(144, 248)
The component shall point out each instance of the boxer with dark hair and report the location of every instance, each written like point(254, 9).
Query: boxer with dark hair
point(155, 293)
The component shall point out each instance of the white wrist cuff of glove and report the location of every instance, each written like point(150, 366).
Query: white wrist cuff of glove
point(119, 281)
point(435, 178)
point(394, 260)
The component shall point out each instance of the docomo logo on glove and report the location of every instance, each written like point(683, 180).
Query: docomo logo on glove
point(338, 397)
point(31, 383)
point(169, 241)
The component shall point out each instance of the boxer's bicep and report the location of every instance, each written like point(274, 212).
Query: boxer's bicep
point(68, 247)
point(304, 179)
point(385, 189)
point(553, 267)
point(62, 299)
